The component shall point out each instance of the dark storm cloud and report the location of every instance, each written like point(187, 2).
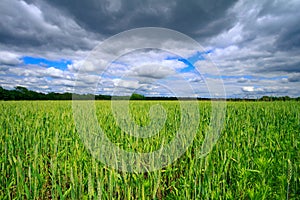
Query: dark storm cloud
point(288, 67)
point(195, 18)
point(278, 19)
point(289, 39)
point(36, 24)
point(265, 38)
point(294, 78)
point(285, 16)
point(44, 27)
point(245, 37)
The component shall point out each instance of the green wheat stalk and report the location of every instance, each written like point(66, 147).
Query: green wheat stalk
point(289, 176)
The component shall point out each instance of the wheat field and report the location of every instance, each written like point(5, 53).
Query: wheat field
point(256, 157)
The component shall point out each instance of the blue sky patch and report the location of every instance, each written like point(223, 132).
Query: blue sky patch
point(197, 56)
point(43, 62)
point(191, 60)
point(190, 66)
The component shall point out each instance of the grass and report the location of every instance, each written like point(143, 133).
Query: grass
point(257, 156)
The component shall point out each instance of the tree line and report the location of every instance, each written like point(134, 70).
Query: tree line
point(22, 93)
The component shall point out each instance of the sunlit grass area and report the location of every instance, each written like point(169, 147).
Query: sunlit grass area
point(256, 157)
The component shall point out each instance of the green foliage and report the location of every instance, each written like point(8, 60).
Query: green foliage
point(136, 96)
point(283, 98)
point(22, 93)
point(257, 156)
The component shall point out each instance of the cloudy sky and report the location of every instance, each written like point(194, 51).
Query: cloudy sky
point(255, 45)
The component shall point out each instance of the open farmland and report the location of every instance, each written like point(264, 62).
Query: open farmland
point(256, 157)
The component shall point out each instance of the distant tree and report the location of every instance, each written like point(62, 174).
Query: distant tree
point(21, 89)
point(265, 98)
point(136, 96)
point(2, 92)
point(22, 93)
point(102, 97)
